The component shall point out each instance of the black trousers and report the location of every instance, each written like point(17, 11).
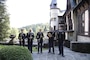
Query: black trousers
point(51, 44)
point(60, 46)
point(23, 42)
point(39, 47)
point(20, 42)
point(30, 43)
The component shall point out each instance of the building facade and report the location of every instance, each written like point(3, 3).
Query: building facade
point(77, 17)
point(82, 15)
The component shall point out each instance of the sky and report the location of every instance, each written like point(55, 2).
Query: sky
point(27, 12)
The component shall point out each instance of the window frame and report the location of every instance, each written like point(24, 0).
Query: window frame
point(82, 28)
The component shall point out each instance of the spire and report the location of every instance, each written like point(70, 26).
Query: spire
point(53, 4)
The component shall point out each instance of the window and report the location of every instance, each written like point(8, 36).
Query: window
point(54, 27)
point(85, 23)
point(54, 19)
point(70, 22)
point(86, 29)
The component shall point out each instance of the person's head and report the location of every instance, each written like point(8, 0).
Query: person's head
point(22, 30)
point(30, 30)
point(60, 28)
point(40, 30)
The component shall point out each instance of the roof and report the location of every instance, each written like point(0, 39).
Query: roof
point(53, 4)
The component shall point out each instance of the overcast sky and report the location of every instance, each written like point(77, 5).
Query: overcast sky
point(27, 12)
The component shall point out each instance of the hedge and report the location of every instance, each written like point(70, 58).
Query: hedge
point(14, 53)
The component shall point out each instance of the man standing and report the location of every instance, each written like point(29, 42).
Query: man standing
point(39, 37)
point(30, 37)
point(61, 38)
point(51, 40)
point(22, 37)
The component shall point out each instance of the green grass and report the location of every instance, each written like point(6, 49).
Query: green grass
point(35, 49)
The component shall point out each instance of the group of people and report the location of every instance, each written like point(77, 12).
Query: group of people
point(30, 37)
point(56, 35)
point(52, 35)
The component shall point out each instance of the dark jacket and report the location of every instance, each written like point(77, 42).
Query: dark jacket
point(30, 34)
point(40, 36)
point(61, 36)
point(21, 36)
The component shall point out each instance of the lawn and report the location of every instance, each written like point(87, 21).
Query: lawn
point(35, 49)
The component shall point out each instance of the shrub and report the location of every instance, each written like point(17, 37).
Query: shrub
point(14, 53)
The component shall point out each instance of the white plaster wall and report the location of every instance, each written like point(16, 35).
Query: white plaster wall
point(54, 14)
point(83, 39)
point(54, 23)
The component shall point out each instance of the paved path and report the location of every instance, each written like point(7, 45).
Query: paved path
point(69, 55)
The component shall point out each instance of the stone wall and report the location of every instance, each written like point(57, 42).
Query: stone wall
point(83, 39)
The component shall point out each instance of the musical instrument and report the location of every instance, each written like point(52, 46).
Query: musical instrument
point(41, 36)
point(30, 37)
point(56, 36)
point(38, 40)
point(20, 37)
point(49, 34)
point(37, 37)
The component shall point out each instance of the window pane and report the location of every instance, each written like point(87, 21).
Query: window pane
point(86, 21)
point(83, 19)
point(86, 33)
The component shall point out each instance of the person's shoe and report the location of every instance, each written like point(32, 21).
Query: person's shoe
point(49, 52)
point(63, 56)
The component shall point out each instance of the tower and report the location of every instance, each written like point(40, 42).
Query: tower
point(54, 11)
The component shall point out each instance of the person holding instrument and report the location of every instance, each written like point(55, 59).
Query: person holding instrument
point(30, 37)
point(50, 40)
point(39, 37)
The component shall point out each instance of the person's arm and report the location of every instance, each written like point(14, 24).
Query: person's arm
point(53, 34)
point(42, 35)
point(25, 36)
point(64, 36)
point(33, 35)
point(19, 36)
point(47, 34)
point(37, 36)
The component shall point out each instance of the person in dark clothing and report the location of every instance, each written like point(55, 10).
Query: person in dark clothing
point(21, 38)
point(30, 37)
point(39, 37)
point(55, 37)
point(51, 41)
point(61, 38)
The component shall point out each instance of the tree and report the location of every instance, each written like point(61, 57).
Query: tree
point(14, 31)
point(4, 21)
point(25, 31)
